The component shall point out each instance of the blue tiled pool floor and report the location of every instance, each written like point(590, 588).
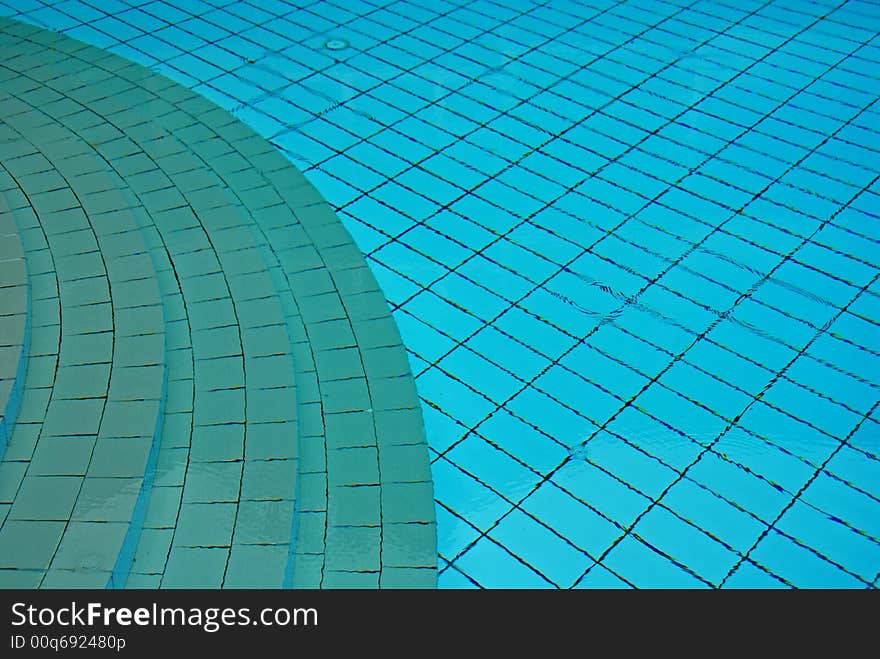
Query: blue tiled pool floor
point(631, 247)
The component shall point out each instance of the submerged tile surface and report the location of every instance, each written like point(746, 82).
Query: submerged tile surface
point(631, 246)
point(178, 423)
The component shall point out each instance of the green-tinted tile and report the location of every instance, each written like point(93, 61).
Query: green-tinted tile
point(263, 522)
point(73, 417)
point(366, 306)
point(353, 466)
point(152, 551)
point(82, 381)
point(125, 457)
point(205, 525)
point(349, 580)
point(376, 333)
point(247, 259)
point(11, 475)
point(332, 334)
point(256, 566)
point(11, 578)
point(11, 327)
point(134, 292)
point(45, 340)
point(116, 245)
point(90, 546)
point(137, 581)
point(106, 500)
point(216, 342)
point(272, 371)
point(218, 407)
point(86, 320)
point(195, 567)
point(91, 290)
point(45, 312)
point(269, 479)
point(203, 287)
point(386, 362)
point(82, 266)
point(271, 440)
point(319, 308)
point(267, 405)
point(176, 328)
point(46, 498)
point(163, 506)
point(136, 382)
point(88, 349)
point(339, 363)
point(9, 357)
point(210, 314)
point(312, 282)
point(310, 533)
point(345, 395)
point(217, 443)
point(132, 418)
point(75, 242)
point(212, 481)
point(393, 393)
point(24, 439)
point(33, 407)
point(354, 506)
point(170, 467)
point(350, 429)
point(355, 280)
point(399, 426)
point(40, 372)
point(308, 571)
point(312, 454)
point(180, 366)
point(393, 577)
point(409, 545)
point(402, 463)
point(266, 341)
point(96, 579)
point(312, 492)
point(407, 502)
point(353, 548)
point(252, 285)
point(5, 390)
point(29, 545)
point(176, 430)
point(219, 373)
point(143, 350)
point(179, 396)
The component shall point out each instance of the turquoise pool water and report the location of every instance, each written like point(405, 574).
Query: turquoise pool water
point(631, 248)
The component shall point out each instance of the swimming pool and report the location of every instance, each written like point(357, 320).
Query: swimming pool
point(630, 247)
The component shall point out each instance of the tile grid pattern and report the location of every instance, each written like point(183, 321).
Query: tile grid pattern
point(629, 246)
point(219, 510)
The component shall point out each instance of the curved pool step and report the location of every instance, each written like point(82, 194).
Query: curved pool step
point(78, 486)
point(188, 515)
point(237, 471)
point(292, 451)
point(365, 512)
